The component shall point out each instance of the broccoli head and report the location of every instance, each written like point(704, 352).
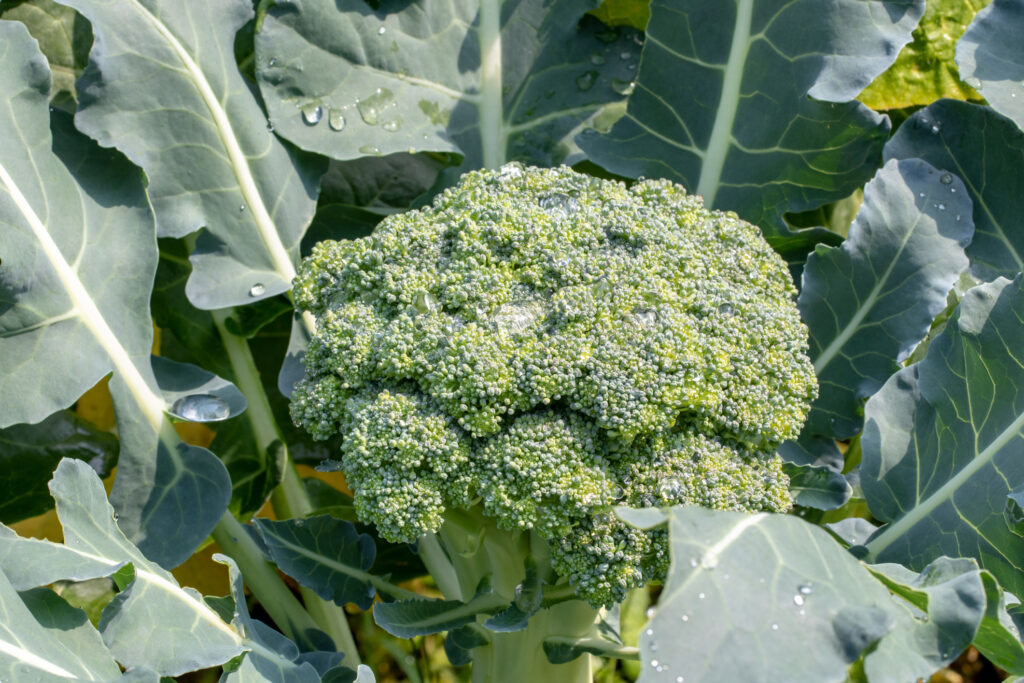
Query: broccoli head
point(546, 345)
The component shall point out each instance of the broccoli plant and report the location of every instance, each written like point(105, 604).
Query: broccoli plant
point(537, 347)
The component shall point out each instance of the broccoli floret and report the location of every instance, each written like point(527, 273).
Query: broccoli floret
point(546, 345)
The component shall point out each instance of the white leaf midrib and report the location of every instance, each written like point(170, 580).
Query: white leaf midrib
point(265, 225)
point(85, 307)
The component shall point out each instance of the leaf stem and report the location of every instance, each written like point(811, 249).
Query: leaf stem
point(289, 498)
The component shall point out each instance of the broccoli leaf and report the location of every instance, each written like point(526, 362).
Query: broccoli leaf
point(408, 618)
point(152, 622)
point(991, 60)
point(491, 81)
point(940, 448)
point(747, 103)
point(210, 159)
point(325, 554)
point(70, 312)
point(870, 301)
point(30, 453)
point(806, 610)
point(984, 149)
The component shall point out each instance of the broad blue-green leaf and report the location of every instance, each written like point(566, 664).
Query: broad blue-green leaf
point(747, 103)
point(490, 80)
point(30, 651)
point(162, 86)
point(528, 599)
point(868, 302)
point(804, 611)
point(271, 656)
point(71, 216)
point(991, 59)
point(325, 554)
point(153, 622)
point(941, 447)
point(408, 618)
point(985, 150)
point(29, 454)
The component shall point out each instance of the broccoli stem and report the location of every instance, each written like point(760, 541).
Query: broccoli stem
point(473, 546)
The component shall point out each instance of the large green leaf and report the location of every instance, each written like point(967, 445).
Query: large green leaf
point(986, 151)
point(327, 555)
point(924, 71)
point(804, 611)
point(991, 59)
point(152, 622)
point(200, 135)
point(72, 216)
point(29, 454)
point(746, 102)
point(490, 80)
point(870, 301)
point(941, 447)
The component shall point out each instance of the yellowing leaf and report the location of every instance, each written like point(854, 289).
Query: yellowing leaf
point(925, 70)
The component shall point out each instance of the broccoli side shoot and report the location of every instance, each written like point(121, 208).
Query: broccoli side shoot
point(546, 345)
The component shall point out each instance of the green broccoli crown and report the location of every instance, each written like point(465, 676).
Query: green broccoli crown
point(547, 344)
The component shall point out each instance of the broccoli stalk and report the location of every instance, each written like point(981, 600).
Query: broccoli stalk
point(535, 348)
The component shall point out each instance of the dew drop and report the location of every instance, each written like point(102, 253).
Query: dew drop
point(685, 617)
point(623, 87)
point(693, 561)
point(624, 56)
point(775, 627)
point(257, 289)
point(511, 170)
point(391, 125)
point(381, 31)
point(651, 611)
point(649, 632)
point(241, 207)
point(805, 589)
point(798, 600)
point(597, 59)
point(709, 560)
point(375, 108)
point(586, 80)
point(654, 663)
point(700, 596)
point(679, 679)
point(920, 194)
point(312, 113)
point(336, 120)
point(424, 302)
point(201, 408)
point(946, 179)
point(725, 309)
point(370, 149)
point(941, 207)
point(116, 517)
point(653, 647)
point(935, 129)
point(558, 205)
point(974, 82)
point(272, 62)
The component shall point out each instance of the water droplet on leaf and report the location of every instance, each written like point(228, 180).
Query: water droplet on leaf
point(798, 600)
point(805, 589)
point(558, 205)
point(201, 408)
point(370, 149)
point(623, 87)
point(312, 113)
point(381, 31)
point(597, 59)
point(257, 289)
point(946, 179)
point(336, 120)
point(586, 80)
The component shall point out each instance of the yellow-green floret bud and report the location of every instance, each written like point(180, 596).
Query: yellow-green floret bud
point(547, 345)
